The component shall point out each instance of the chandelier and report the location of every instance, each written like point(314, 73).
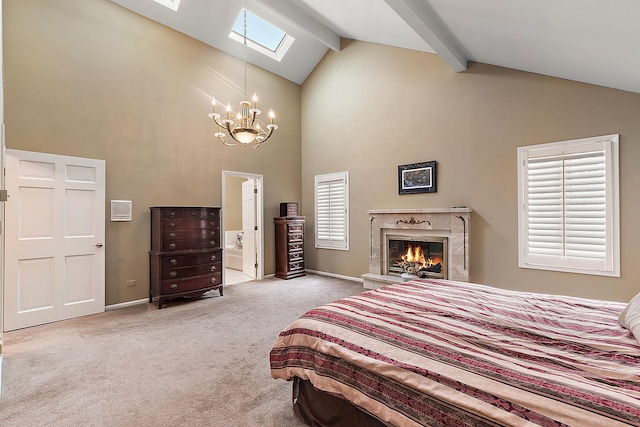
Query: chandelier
point(245, 128)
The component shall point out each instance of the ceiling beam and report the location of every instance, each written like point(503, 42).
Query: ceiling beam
point(287, 10)
point(426, 24)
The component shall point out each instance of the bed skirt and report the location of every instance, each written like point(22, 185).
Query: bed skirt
point(320, 409)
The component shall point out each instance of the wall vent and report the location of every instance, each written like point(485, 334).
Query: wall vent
point(121, 210)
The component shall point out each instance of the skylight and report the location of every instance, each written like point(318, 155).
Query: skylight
point(261, 36)
point(171, 4)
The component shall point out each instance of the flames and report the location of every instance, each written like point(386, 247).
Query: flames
point(414, 257)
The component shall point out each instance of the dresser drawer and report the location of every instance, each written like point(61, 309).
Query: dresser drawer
point(179, 261)
point(189, 213)
point(185, 245)
point(200, 233)
point(194, 270)
point(297, 246)
point(296, 256)
point(296, 265)
point(190, 284)
point(295, 227)
point(178, 224)
point(295, 238)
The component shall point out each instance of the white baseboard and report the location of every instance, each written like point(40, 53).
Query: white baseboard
point(337, 276)
point(127, 304)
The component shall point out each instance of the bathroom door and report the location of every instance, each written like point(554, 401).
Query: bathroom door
point(249, 252)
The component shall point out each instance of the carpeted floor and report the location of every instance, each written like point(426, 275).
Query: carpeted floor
point(201, 362)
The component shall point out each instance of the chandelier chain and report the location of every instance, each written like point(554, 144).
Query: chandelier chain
point(244, 50)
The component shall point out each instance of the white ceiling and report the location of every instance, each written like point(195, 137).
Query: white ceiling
point(591, 41)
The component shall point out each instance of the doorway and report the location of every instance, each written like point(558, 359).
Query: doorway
point(242, 226)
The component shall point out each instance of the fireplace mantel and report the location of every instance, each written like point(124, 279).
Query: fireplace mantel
point(453, 223)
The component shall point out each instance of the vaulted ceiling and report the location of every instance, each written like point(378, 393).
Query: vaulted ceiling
point(591, 41)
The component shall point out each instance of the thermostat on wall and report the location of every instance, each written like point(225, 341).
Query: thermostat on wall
point(121, 210)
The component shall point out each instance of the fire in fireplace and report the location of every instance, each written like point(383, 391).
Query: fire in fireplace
point(424, 256)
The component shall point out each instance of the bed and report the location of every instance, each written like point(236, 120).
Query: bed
point(445, 353)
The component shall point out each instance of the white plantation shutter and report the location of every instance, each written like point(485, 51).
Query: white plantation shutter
point(585, 206)
point(331, 193)
point(544, 225)
point(568, 217)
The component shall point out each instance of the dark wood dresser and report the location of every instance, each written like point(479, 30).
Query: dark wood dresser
point(185, 258)
point(289, 246)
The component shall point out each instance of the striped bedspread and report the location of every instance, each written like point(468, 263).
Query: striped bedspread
point(444, 353)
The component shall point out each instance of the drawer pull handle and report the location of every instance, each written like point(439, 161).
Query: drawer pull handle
point(213, 280)
point(193, 214)
point(172, 225)
point(173, 261)
point(212, 233)
point(173, 274)
point(212, 243)
point(172, 235)
point(174, 286)
point(213, 268)
point(172, 214)
point(213, 257)
point(172, 246)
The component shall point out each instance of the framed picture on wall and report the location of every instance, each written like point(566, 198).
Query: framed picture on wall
point(417, 178)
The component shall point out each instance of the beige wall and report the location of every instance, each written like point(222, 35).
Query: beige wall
point(406, 107)
point(89, 78)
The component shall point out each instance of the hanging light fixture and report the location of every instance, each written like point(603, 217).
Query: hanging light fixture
point(245, 128)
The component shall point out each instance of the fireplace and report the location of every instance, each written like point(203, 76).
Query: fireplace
point(424, 256)
point(444, 232)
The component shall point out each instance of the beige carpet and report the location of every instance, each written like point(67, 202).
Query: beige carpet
point(201, 362)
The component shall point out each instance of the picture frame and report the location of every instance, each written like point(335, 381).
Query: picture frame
point(417, 178)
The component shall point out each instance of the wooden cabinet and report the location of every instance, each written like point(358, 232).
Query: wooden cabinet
point(185, 258)
point(289, 247)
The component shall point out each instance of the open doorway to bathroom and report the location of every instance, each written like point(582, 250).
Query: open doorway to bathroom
point(242, 225)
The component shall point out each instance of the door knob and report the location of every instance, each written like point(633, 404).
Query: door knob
point(98, 245)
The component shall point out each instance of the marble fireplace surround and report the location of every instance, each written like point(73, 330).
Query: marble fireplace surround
point(453, 223)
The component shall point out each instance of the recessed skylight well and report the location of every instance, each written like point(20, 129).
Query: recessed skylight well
point(171, 4)
point(262, 36)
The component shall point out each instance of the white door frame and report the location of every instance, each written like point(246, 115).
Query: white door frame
point(249, 262)
point(259, 219)
point(2, 186)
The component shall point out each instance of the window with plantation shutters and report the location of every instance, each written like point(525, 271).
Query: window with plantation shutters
point(332, 202)
point(568, 206)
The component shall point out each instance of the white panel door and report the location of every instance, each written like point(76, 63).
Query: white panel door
point(54, 268)
point(249, 228)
